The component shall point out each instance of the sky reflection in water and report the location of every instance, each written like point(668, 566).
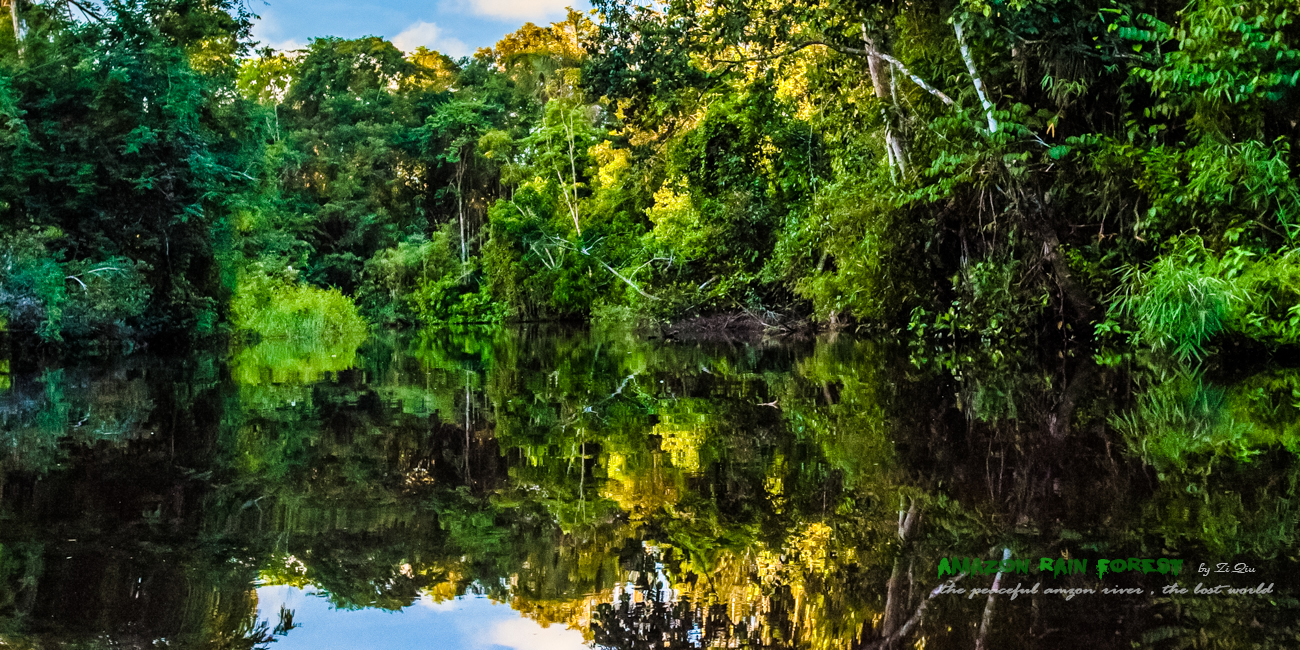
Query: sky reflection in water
point(465, 623)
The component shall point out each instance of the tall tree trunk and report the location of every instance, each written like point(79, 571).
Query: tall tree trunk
point(18, 34)
point(573, 171)
point(1080, 304)
point(975, 77)
point(460, 204)
point(1058, 423)
point(986, 622)
point(895, 600)
point(1043, 215)
point(881, 80)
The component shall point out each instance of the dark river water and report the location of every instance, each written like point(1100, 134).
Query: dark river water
point(548, 488)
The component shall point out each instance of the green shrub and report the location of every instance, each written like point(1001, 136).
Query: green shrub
point(423, 281)
point(32, 287)
point(532, 262)
point(1189, 295)
point(81, 298)
point(870, 253)
point(458, 298)
point(278, 308)
point(1180, 302)
point(390, 290)
point(1270, 288)
point(103, 294)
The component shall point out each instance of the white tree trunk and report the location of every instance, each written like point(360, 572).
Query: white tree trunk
point(18, 34)
point(895, 149)
point(573, 169)
point(975, 77)
point(460, 205)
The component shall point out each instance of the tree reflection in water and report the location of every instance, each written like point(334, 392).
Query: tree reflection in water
point(649, 494)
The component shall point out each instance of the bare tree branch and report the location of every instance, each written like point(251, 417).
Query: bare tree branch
point(587, 253)
point(89, 13)
point(620, 276)
point(915, 79)
point(843, 49)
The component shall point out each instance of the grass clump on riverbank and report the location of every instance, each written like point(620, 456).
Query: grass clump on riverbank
point(279, 309)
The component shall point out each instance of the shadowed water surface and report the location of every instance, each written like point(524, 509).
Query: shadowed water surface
point(544, 488)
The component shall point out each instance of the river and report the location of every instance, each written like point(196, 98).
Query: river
point(548, 488)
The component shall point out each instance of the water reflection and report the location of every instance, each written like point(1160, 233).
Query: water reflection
point(465, 623)
point(636, 493)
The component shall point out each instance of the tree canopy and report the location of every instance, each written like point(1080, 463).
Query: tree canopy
point(1005, 173)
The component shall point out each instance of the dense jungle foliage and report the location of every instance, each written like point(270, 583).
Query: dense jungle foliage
point(976, 171)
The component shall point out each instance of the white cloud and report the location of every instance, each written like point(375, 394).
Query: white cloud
point(429, 35)
point(285, 46)
point(268, 31)
point(527, 634)
point(534, 10)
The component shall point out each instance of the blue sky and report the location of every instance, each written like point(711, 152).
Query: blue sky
point(454, 27)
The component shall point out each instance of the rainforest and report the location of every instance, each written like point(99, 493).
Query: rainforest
point(1030, 174)
point(715, 323)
